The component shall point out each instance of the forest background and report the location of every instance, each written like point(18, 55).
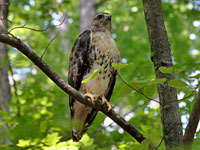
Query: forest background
point(35, 113)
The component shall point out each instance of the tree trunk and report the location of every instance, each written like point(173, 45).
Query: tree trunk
point(87, 13)
point(161, 56)
point(4, 67)
point(193, 124)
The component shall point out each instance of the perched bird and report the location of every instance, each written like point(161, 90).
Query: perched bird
point(94, 49)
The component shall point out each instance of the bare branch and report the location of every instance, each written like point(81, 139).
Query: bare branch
point(193, 122)
point(12, 41)
point(38, 30)
point(6, 20)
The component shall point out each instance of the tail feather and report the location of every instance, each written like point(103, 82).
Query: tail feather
point(79, 120)
point(76, 135)
point(78, 126)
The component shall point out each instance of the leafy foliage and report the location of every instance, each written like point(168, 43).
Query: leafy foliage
point(39, 114)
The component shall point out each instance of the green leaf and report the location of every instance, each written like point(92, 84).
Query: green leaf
point(24, 143)
point(177, 83)
point(87, 143)
point(93, 75)
point(156, 81)
point(119, 65)
point(166, 70)
point(196, 76)
point(51, 139)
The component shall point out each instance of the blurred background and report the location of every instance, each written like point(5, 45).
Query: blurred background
point(35, 113)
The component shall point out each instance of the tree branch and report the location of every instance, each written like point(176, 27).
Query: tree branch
point(15, 42)
point(193, 122)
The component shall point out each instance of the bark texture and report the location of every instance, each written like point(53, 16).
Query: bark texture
point(4, 38)
point(161, 56)
point(4, 66)
point(87, 13)
point(193, 123)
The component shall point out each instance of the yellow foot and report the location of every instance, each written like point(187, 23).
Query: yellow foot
point(91, 97)
point(104, 100)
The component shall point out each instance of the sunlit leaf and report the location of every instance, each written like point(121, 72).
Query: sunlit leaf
point(87, 143)
point(177, 83)
point(93, 75)
point(51, 139)
point(166, 70)
point(23, 143)
point(119, 65)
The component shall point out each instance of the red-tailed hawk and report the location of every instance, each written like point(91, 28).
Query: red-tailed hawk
point(94, 49)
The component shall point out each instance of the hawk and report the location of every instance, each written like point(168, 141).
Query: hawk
point(94, 49)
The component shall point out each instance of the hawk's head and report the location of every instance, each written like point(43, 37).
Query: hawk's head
point(101, 21)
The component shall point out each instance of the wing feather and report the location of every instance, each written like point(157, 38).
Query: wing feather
point(79, 63)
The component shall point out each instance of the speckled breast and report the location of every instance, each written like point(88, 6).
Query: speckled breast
point(103, 53)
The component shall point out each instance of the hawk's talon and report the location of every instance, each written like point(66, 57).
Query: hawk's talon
point(110, 106)
point(91, 97)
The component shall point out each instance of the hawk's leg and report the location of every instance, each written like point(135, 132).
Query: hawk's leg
point(91, 97)
point(104, 100)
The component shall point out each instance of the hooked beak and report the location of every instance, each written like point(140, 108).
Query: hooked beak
point(109, 18)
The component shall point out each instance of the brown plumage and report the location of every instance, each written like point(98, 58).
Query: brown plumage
point(93, 49)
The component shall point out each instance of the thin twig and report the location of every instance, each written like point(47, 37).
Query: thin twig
point(138, 90)
point(188, 95)
point(160, 142)
point(38, 30)
point(6, 20)
point(48, 46)
point(154, 99)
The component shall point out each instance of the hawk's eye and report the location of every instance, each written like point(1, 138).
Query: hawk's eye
point(99, 17)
